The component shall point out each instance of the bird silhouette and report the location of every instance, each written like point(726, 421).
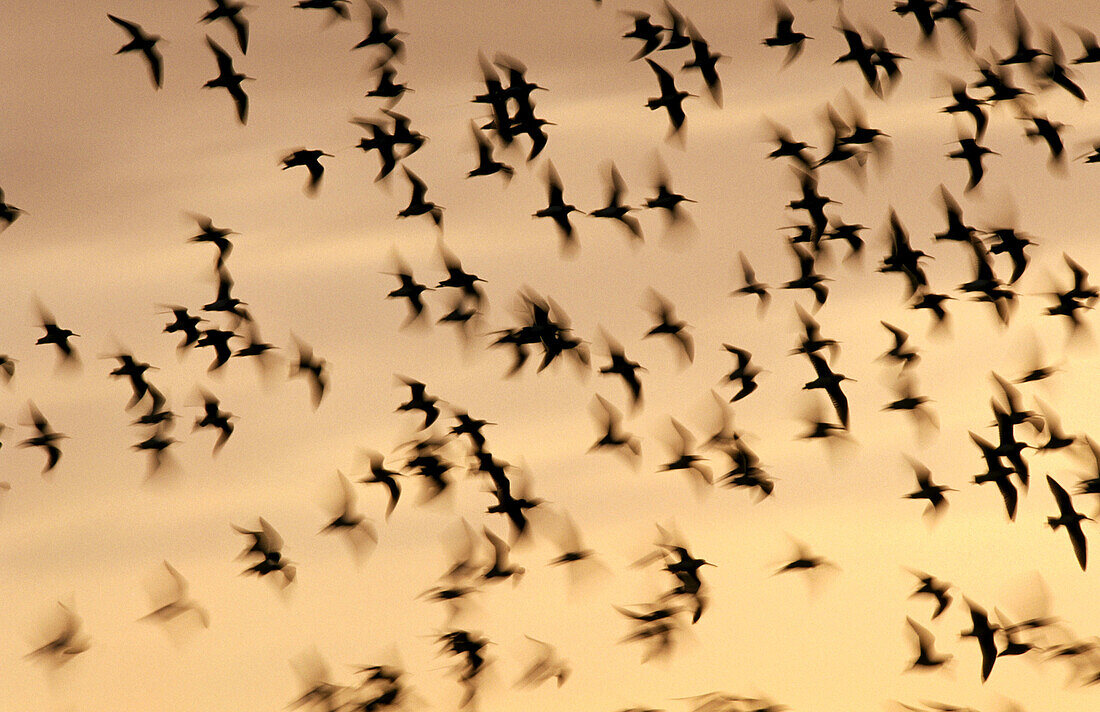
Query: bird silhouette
point(171, 600)
point(668, 325)
point(671, 98)
point(233, 13)
point(982, 631)
point(615, 209)
point(65, 638)
point(934, 587)
point(141, 41)
point(927, 657)
point(229, 79)
point(928, 490)
point(418, 203)
point(8, 213)
point(311, 160)
point(558, 210)
point(785, 35)
point(46, 438)
point(314, 369)
point(830, 383)
point(1069, 518)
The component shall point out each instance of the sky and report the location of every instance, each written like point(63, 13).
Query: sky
point(109, 171)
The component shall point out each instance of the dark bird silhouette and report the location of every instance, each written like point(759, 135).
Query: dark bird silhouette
point(1023, 52)
point(419, 400)
point(8, 213)
point(141, 41)
point(217, 236)
point(808, 278)
point(804, 560)
point(928, 490)
point(927, 657)
point(903, 258)
point(972, 153)
point(214, 417)
point(387, 86)
point(46, 438)
point(743, 372)
point(357, 530)
point(311, 160)
point(410, 289)
point(812, 202)
point(667, 199)
point(624, 368)
point(934, 587)
point(609, 419)
point(998, 473)
point(338, 8)
point(418, 203)
point(486, 164)
point(1069, 518)
point(1043, 129)
point(983, 631)
point(501, 568)
point(956, 230)
point(267, 543)
point(233, 13)
point(677, 37)
point(615, 209)
point(830, 382)
point(859, 53)
point(1090, 49)
point(900, 353)
point(669, 325)
point(965, 104)
point(785, 34)
point(671, 98)
point(921, 10)
point(458, 278)
point(812, 341)
point(224, 301)
point(645, 30)
point(682, 456)
point(751, 286)
point(788, 147)
point(314, 369)
point(229, 79)
point(185, 323)
point(379, 33)
point(955, 11)
point(59, 337)
point(379, 474)
point(133, 370)
point(707, 64)
point(558, 210)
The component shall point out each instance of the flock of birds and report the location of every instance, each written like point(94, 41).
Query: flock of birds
point(449, 440)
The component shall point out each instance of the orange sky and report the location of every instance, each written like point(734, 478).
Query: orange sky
point(107, 170)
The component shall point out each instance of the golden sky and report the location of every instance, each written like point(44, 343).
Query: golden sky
point(108, 171)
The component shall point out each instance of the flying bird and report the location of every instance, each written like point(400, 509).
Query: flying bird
point(141, 41)
point(229, 79)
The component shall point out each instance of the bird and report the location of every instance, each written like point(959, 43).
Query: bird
point(983, 631)
point(229, 79)
point(671, 98)
point(624, 368)
point(934, 587)
point(752, 286)
point(338, 8)
point(546, 665)
point(59, 337)
point(743, 372)
point(66, 639)
point(8, 213)
point(46, 438)
point(558, 210)
point(785, 34)
point(171, 601)
point(357, 530)
point(616, 210)
point(418, 203)
point(830, 382)
point(314, 369)
point(928, 490)
point(970, 151)
point(419, 400)
point(1069, 518)
point(214, 417)
point(311, 159)
point(927, 658)
point(486, 164)
point(379, 474)
point(706, 62)
point(141, 41)
point(233, 13)
point(669, 325)
point(268, 544)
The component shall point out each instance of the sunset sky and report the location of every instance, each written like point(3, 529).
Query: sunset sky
point(109, 171)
